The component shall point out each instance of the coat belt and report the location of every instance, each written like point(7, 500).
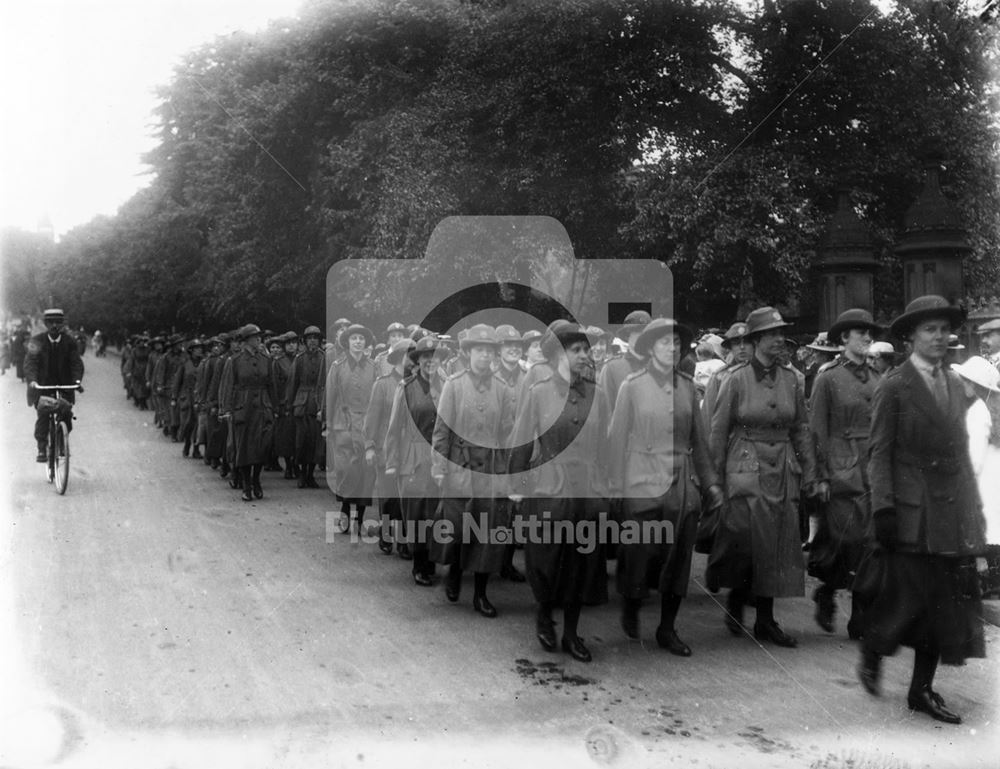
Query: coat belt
point(764, 433)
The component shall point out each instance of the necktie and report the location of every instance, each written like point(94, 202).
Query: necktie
point(940, 388)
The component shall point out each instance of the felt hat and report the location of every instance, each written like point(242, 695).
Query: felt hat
point(923, 308)
point(658, 328)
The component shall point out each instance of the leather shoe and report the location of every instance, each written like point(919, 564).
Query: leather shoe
point(258, 492)
point(667, 639)
point(385, 546)
point(545, 630)
point(404, 551)
point(482, 605)
point(869, 672)
point(511, 574)
point(247, 496)
point(452, 589)
point(825, 608)
point(630, 622)
point(576, 649)
point(343, 523)
point(769, 631)
point(422, 579)
point(930, 702)
point(41, 457)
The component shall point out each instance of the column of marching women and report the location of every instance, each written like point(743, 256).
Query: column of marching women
point(842, 458)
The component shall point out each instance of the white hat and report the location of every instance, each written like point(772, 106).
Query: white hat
point(881, 348)
point(979, 371)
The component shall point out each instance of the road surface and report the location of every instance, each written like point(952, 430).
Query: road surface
point(159, 621)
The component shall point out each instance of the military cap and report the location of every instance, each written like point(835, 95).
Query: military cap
point(531, 335)
point(356, 328)
point(196, 342)
point(764, 319)
point(398, 350)
point(561, 334)
point(395, 328)
point(53, 313)
point(480, 334)
point(249, 330)
point(157, 340)
point(988, 326)
point(849, 319)
point(290, 336)
point(312, 331)
point(447, 340)
point(429, 343)
point(924, 308)
point(175, 339)
point(507, 334)
point(341, 322)
point(596, 332)
point(658, 328)
point(635, 322)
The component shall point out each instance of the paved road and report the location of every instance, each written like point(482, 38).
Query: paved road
point(160, 621)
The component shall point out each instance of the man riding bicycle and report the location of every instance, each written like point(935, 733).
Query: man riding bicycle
point(53, 359)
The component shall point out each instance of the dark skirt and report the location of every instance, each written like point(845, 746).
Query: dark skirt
point(840, 541)
point(307, 440)
point(563, 569)
point(284, 436)
point(663, 566)
point(930, 603)
point(216, 430)
point(473, 544)
point(251, 437)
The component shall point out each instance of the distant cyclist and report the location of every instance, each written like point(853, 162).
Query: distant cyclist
point(53, 358)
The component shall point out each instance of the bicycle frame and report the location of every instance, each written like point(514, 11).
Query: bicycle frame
point(57, 459)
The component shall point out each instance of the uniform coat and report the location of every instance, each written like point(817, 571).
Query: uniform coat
point(659, 463)
point(763, 449)
point(920, 469)
point(215, 446)
point(182, 391)
point(304, 395)
point(246, 394)
point(559, 446)
point(840, 418)
point(348, 391)
point(376, 426)
point(284, 425)
point(474, 421)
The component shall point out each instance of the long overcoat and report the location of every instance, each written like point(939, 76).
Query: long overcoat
point(304, 396)
point(348, 391)
point(763, 449)
point(247, 395)
point(474, 421)
point(376, 427)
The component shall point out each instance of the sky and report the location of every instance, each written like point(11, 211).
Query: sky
point(77, 79)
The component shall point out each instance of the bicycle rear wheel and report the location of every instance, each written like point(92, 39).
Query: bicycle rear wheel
point(50, 451)
point(62, 458)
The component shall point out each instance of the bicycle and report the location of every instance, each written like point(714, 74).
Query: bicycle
point(59, 411)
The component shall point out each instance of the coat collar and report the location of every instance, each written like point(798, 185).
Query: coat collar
point(923, 398)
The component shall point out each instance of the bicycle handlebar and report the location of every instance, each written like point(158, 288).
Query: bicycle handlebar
point(76, 386)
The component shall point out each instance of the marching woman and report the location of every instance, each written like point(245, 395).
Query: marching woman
point(376, 426)
point(559, 441)
point(763, 449)
point(927, 513)
point(304, 398)
point(474, 421)
point(284, 424)
point(247, 400)
point(348, 391)
point(182, 395)
point(840, 413)
point(408, 449)
point(660, 465)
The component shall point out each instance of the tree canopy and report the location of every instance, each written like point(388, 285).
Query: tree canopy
point(710, 135)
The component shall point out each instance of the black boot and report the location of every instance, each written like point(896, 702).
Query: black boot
point(572, 644)
point(630, 618)
point(196, 454)
point(453, 583)
point(186, 451)
point(666, 634)
point(508, 571)
point(825, 607)
point(545, 630)
point(855, 624)
point(870, 671)
point(244, 475)
point(479, 600)
point(258, 492)
point(767, 629)
point(734, 611)
point(922, 696)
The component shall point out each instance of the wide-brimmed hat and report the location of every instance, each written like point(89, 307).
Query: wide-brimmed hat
point(395, 328)
point(561, 334)
point(764, 319)
point(419, 333)
point(531, 335)
point(979, 371)
point(822, 343)
point(290, 336)
point(596, 333)
point(848, 319)
point(249, 330)
point(398, 350)
point(479, 334)
point(661, 327)
point(176, 339)
point(356, 328)
point(923, 308)
point(312, 331)
point(714, 342)
point(881, 348)
point(429, 343)
point(988, 326)
point(736, 331)
point(635, 322)
point(340, 322)
point(196, 342)
point(53, 313)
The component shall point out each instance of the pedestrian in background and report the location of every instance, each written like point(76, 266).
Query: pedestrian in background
point(304, 395)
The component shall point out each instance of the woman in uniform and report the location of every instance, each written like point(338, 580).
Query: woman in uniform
point(474, 421)
point(763, 449)
point(284, 424)
point(408, 451)
point(348, 391)
point(182, 394)
point(304, 398)
point(559, 436)
point(659, 464)
point(247, 400)
point(840, 411)
point(927, 513)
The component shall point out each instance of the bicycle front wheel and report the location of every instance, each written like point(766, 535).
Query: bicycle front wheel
point(62, 458)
